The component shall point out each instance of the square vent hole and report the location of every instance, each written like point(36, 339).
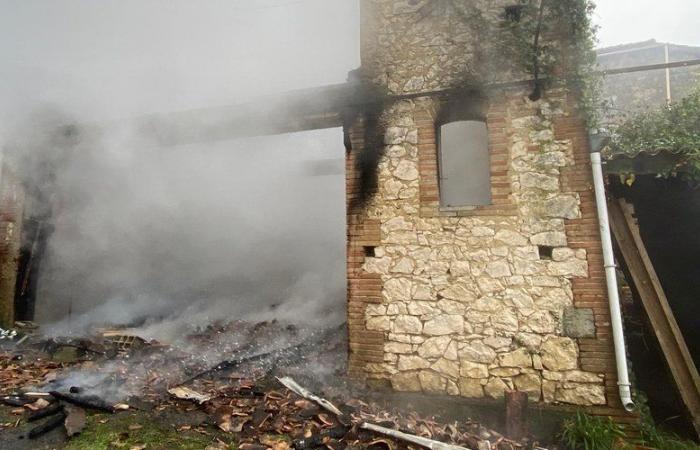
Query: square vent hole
point(545, 251)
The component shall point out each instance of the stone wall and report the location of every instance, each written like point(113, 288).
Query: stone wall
point(475, 301)
point(410, 46)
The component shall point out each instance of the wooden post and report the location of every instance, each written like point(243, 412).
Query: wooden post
point(516, 414)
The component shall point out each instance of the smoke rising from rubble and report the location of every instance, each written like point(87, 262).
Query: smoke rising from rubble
point(172, 237)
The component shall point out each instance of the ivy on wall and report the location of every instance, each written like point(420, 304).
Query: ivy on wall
point(554, 42)
point(674, 129)
point(550, 41)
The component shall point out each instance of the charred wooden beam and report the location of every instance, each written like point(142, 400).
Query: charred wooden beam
point(84, 401)
point(15, 400)
point(50, 410)
point(302, 110)
point(52, 423)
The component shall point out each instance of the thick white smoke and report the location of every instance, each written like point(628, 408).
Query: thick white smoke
point(170, 237)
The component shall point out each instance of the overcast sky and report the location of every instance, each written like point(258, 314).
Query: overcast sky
point(124, 57)
point(624, 21)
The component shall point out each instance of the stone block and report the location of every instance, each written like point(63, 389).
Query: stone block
point(471, 388)
point(404, 265)
point(452, 307)
point(495, 388)
point(398, 289)
point(578, 322)
point(498, 269)
point(477, 352)
point(412, 362)
point(561, 206)
point(529, 383)
point(511, 238)
point(407, 324)
point(458, 292)
point(422, 308)
point(406, 382)
point(533, 180)
point(518, 358)
point(398, 347)
point(447, 368)
point(432, 382)
point(434, 347)
point(581, 394)
point(549, 238)
point(568, 268)
point(559, 353)
point(473, 370)
point(460, 269)
point(444, 324)
point(381, 323)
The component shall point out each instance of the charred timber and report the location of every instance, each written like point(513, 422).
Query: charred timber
point(50, 410)
point(84, 401)
point(53, 422)
point(15, 400)
point(272, 355)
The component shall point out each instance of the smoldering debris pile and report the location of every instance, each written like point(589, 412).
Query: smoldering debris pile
point(242, 376)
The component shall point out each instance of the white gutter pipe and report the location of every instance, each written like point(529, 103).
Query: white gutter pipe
point(623, 381)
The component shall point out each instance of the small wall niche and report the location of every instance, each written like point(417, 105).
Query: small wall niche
point(545, 251)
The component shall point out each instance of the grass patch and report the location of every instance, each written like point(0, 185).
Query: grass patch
point(154, 434)
point(654, 437)
point(6, 415)
point(584, 432)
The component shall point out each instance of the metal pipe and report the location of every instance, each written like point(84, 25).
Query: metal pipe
point(668, 76)
point(623, 381)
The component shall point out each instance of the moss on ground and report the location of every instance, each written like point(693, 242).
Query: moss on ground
point(6, 415)
point(129, 430)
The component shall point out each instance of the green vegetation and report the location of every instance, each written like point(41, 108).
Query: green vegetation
point(553, 40)
point(653, 437)
point(674, 129)
point(109, 432)
point(584, 432)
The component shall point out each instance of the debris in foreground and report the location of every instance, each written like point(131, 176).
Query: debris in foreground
point(185, 393)
point(85, 401)
point(75, 420)
point(51, 423)
point(293, 386)
point(424, 442)
point(7, 334)
point(242, 397)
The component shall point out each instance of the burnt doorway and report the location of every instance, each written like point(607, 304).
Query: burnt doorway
point(168, 239)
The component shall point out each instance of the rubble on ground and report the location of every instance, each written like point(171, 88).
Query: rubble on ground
point(52, 383)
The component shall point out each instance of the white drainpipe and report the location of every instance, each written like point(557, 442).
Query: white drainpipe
point(623, 381)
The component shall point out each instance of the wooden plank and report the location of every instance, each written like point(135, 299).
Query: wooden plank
point(656, 305)
point(287, 112)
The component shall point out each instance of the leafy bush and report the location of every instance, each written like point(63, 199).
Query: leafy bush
point(675, 129)
point(584, 432)
point(653, 437)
